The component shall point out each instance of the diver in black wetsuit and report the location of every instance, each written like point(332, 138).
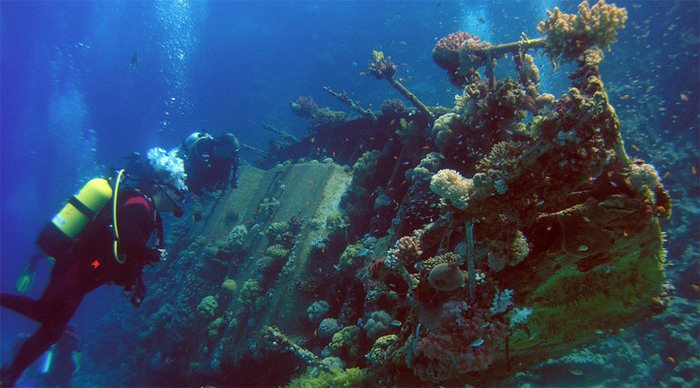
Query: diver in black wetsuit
point(90, 263)
point(211, 163)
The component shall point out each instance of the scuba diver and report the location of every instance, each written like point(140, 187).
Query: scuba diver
point(211, 163)
point(105, 234)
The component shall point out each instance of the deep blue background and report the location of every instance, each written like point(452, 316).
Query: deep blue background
point(71, 98)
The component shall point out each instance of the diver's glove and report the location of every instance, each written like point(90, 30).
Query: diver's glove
point(138, 293)
point(152, 255)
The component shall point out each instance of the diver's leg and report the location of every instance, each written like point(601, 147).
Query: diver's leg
point(58, 286)
point(30, 308)
point(48, 334)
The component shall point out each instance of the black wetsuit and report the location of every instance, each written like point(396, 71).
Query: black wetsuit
point(212, 164)
point(87, 266)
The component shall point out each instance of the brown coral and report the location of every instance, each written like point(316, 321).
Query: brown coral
point(568, 36)
point(407, 250)
point(446, 50)
point(446, 277)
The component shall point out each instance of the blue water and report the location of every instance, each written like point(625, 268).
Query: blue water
point(84, 84)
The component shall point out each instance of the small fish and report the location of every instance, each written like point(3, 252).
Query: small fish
point(684, 97)
point(625, 97)
point(671, 360)
point(363, 74)
point(582, 248)
point(134, 60)
point(477, 343)
point(695, 287)
point(634, 147)
point(693, 170)
point(667, 174)
point(576, 372)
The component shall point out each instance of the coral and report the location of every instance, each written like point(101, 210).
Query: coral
point(545, 100)
point(446, 54)
point(328, 327)
point(268, 206)
point(443, 128)
point(504, 158)
point(406, 250)
point(214, 327)
point(277, 252)
point(644, 179)
point(364, 166)
point(353, 256)
point(446, 277)
point(447, 258)
point(452, 186)
point(381, 67)
point(568, 36)
point(249, 292)
point(519, 316)
point(467, 339)
point(279, 233)
point(229, 285)
point(509, 248)
point(327, 118)
point(236, 240)
point(305, 107)
point(317, 310)
point(352, 377)
point(336, 224)
point(207, 307)
point(381, 344)
point(345, 344)
point(529, 73)
point(378, 323)
point(446, 50)
point(501, 302)
point(393, 108)
point(426, 168)
point(473, 54)
point(408, 130)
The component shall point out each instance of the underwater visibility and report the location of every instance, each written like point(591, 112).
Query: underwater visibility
point(348, 194)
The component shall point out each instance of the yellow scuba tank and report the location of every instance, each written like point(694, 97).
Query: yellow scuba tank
point(59, 234)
